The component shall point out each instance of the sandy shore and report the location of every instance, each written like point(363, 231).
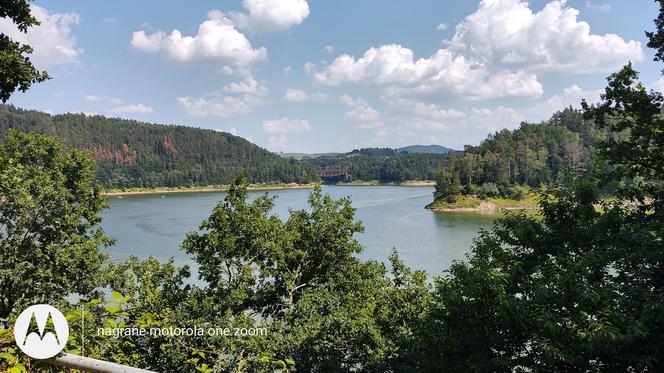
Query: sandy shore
point(377, 182)
point(219, 188)
point(489, 205)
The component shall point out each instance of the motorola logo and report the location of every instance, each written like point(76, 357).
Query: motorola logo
point(41, 331)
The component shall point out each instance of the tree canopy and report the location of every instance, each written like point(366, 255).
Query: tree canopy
point(16, 69)
point(49, 214)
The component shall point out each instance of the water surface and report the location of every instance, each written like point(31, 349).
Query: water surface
point(393, 217)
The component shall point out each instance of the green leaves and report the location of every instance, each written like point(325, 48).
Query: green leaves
point(16, 69)
point(50, 209)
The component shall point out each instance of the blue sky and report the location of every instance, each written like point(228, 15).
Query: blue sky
point(320, 76)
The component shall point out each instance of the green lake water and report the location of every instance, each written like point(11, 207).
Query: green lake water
point(393, 217)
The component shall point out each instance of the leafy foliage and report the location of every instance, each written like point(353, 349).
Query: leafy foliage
point(554, 151)
point(16, 69)
point(49, 211)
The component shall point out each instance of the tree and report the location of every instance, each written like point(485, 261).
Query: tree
point(254, 261)
point(580, 289)
point(16, 69)
point(49, 216)
point(656, 39)
point(447, 185)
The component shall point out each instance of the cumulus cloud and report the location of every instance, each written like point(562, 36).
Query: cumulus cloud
point(508, 32)
point(270, 15)
point(495, 53)
point(423, 109)
point(361, 112)
point(600, 7)
point(279, 129)
point(395, 69)
point(52, 40)
point(286, 125)
point(217, 40)
point(442, 26)
point(295, 95)
point(249, 85)
point(115, 105)
point(298, 95)
point(658, 85)
point(431, 123)
point(131, 109)
point(328, 49)
point(570, 96)
point(218, 104)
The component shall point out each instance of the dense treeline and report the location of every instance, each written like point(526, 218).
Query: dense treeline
point(136, 154)
point(383, 164)
point(532, 155)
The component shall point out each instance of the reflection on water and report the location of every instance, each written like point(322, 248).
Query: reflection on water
point(393, 217)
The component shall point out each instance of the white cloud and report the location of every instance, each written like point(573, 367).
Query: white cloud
point(395, 69)
point(217, 40)
point(295, 95)
point(286, 125)
point(328, 49)
point(570, 96)
point(279, 129)
point(104, 99)
point(442, 26)
point(115, 105)
point(361, 112)
point(658, 85)
point(248, 85)
point(600, 7)
point(495, 53)
point(131, 109)
point(508, 32)
point(278, 143)
point(422, 109)
point(216, 104)
point(298, 95)
point(52, 41)
point(270, 15)
point(92, 98)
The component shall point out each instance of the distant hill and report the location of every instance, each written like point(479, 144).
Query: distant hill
point(301, 156)
point(430, 149)
point(137, 154)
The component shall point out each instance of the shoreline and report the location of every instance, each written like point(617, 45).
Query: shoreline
point(390, 183)
point(254, 187)
point(488, 205)
point(211, 188)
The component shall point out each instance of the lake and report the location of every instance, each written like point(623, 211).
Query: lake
point(393, 217)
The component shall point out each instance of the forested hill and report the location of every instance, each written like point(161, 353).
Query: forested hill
point(436, 149)
point(531, 155)
point(136, 154)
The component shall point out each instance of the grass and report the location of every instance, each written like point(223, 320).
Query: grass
point(471, 203)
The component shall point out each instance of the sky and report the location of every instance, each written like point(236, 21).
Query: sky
point(331, 76)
